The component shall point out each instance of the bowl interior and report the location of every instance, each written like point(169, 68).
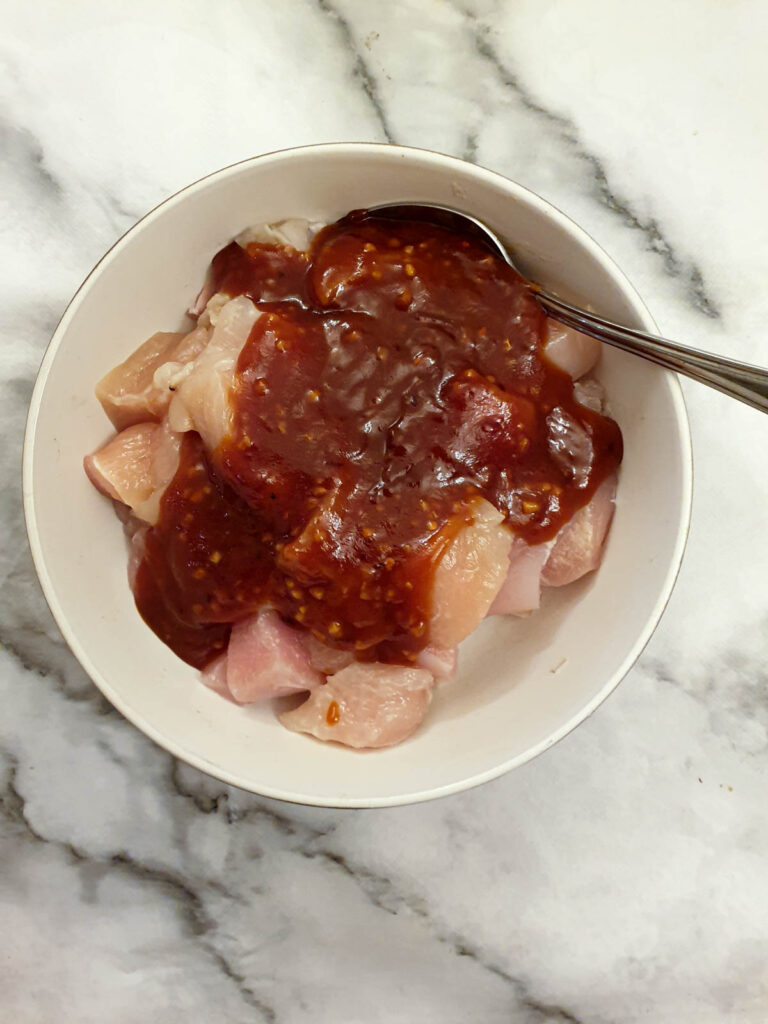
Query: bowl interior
point(522, 684)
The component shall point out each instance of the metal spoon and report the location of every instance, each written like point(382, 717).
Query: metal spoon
point(743, 381)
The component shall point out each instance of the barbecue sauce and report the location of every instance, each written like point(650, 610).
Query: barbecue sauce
point(396, 376)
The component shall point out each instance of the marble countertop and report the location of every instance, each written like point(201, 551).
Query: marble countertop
point(620, 878)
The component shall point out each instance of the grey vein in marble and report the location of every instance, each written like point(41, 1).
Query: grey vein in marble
point(181, 892)
point(699, 294)
point(21, 148)
point(185, 893)
point(361, 70)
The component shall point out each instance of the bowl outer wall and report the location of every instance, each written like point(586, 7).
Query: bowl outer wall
point(502, 710)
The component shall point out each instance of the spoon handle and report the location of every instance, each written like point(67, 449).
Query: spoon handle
point(739, 380)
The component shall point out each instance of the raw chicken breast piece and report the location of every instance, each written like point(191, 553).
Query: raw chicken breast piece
point(590, 393)
point(202, 298)
point(571, 351)
point(122, 469)
point(439, 661)
point(268, 658)
point(210, 315)
point(365, 705)
point(521, 591)
point(295, 233)
point(166, 451)
point(202, 387)
point(469, 576)
point(136, 532)
point(129, 393)
point(578, 546)
point(326, 659)
point(136, 467)
point(214, 676)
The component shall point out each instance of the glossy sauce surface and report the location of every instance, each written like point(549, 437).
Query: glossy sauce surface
point(395, 376)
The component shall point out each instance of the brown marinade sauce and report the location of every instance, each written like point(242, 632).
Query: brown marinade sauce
point(396, 374)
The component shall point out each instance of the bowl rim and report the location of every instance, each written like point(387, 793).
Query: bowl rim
point(171, 745)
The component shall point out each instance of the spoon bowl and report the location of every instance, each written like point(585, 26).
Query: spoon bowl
point(743, 381)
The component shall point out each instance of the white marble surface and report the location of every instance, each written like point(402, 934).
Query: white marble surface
point(623, 876)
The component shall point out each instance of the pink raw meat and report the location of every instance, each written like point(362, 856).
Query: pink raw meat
point(136, 531)
point(165, 454)
point(441, 662)
point(202, 388)
point(570, 350)
point(578, 546)
point(214, 676)
point(326, 659)
point(122, 469)
point(521, 590)
point(136, 466)
point(292, 233)
point(268, 658)
point(128, 393)
point(202, 298)
point(365, 705)
point(590, 393)
point(468, 577)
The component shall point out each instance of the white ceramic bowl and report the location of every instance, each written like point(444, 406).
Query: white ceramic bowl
point(522, 684)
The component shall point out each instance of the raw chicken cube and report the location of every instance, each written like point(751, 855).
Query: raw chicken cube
point(129, 393)
point(293, 233)
point(570, 350)
point(136, 532)
point(578, 546)
point(441, 662)
point(469, 576)
point(136, 466)
point(268, 658)
point(326, 659)
point(521, 590)
point(122, 469)
point(214, 676)
point(365, 705)
point(590, 393)
point(165, 455)
point(202, 387)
